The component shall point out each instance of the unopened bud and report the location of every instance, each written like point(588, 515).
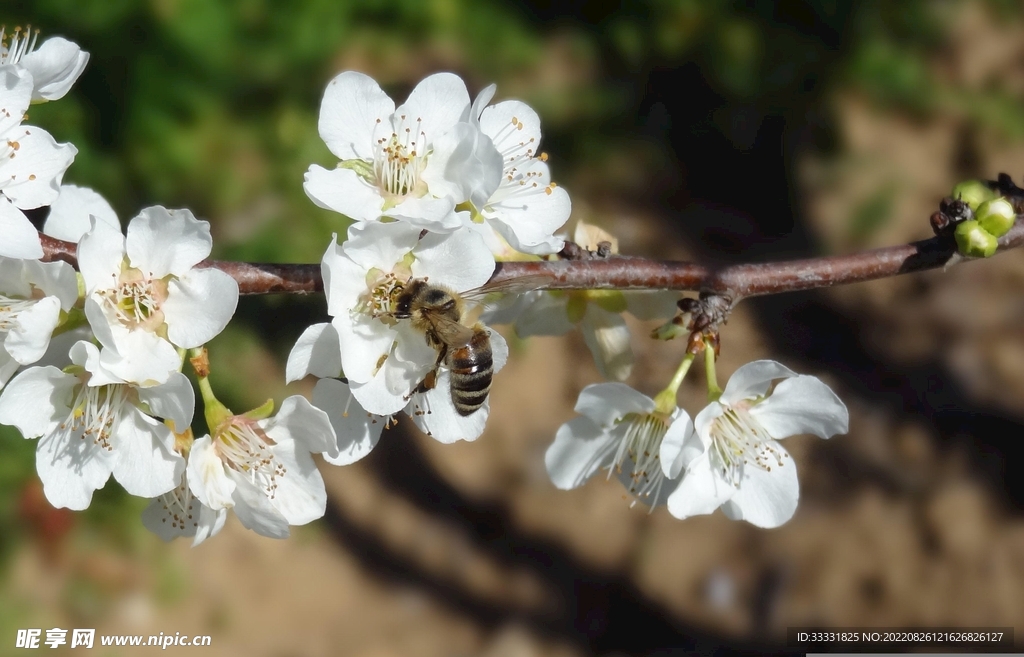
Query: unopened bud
point(973, 193)
point(974, 241)
point(996, 216)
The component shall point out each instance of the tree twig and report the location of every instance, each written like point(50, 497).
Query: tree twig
point(632, 273)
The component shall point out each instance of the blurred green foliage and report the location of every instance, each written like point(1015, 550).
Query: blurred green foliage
point(213, 106)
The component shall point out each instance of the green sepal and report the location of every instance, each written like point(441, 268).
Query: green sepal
point(974, 241)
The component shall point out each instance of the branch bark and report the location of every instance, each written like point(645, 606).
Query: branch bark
point(632, 273)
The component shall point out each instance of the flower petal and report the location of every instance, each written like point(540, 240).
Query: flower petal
point(607, 403)
point(343, 191)
point(20, 239)
point(700, 491)
point(255, 511)
point(607, 336)
point(299, 421)
point(210, 523)
point(56, 279)
point(459, 261)
point(802, 404)
point(765, 498)
point(37, 400)
point(753, 380)
point(15, 94)
point(542, 313)
point(381, 246)
point(433, 214)
point(581, 448)
point(162, 241)
point(199, 304)
point(28, 339)
point(206, 476)
point(55, 66)
point(100, 255)
point(357, 431)
point(31, 178)
point(69, 214)
point(72, 468)
point(174, 400)
point(436, 104)
point(679, 446)
point(146, 464)
point(316, 352)
point(352, 106)
point(464, 166)
point(374, 396)
point(529, 219)
point(434, 413)
point(300, 495)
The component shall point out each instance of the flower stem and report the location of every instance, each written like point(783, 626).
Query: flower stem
point(714, 392)
point(213, 409)
point(665, 401)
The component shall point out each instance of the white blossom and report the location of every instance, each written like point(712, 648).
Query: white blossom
point(625, 433)
point(31, 166)
point(525, 208)
point(33, 295)
point(386, 359)
point(263, 469)
point(54, 66)
point(146, 296)
point(738, 464)
point(597, 313)
point(386, 153)
point(94, 424)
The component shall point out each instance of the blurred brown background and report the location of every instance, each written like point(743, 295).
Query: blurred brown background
point(715, 131)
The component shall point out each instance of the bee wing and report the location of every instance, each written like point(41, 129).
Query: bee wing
point(451, 333)
point(510, 286)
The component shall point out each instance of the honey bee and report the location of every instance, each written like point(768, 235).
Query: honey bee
point(464, 349)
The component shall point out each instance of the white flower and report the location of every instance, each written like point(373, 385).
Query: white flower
point(622, 431)
point(386, 162)
point(54, 66)
point(31, 166)
point(180, 513)
point(597, 313)
point(263, 468)
point(525, 208)
point(738, 464)
point(32, 296)
point(318, 352)
point(72, 213)
point(147, 286)
point(93, 425)
point(385, 359)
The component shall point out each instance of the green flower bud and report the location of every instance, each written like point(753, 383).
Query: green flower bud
point(973, 193)
point(974, 241)
point(996, 216)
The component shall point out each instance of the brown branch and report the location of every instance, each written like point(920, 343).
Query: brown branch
point(630, 273)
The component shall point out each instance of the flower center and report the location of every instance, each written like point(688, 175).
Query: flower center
point(641, 444)
point(95, 412)
point(738, 439)
point(17, 44)
point(136, 300)
point(397, 164)
point(244, 447)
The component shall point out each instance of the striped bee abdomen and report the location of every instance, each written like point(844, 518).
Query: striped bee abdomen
point(470, 369)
